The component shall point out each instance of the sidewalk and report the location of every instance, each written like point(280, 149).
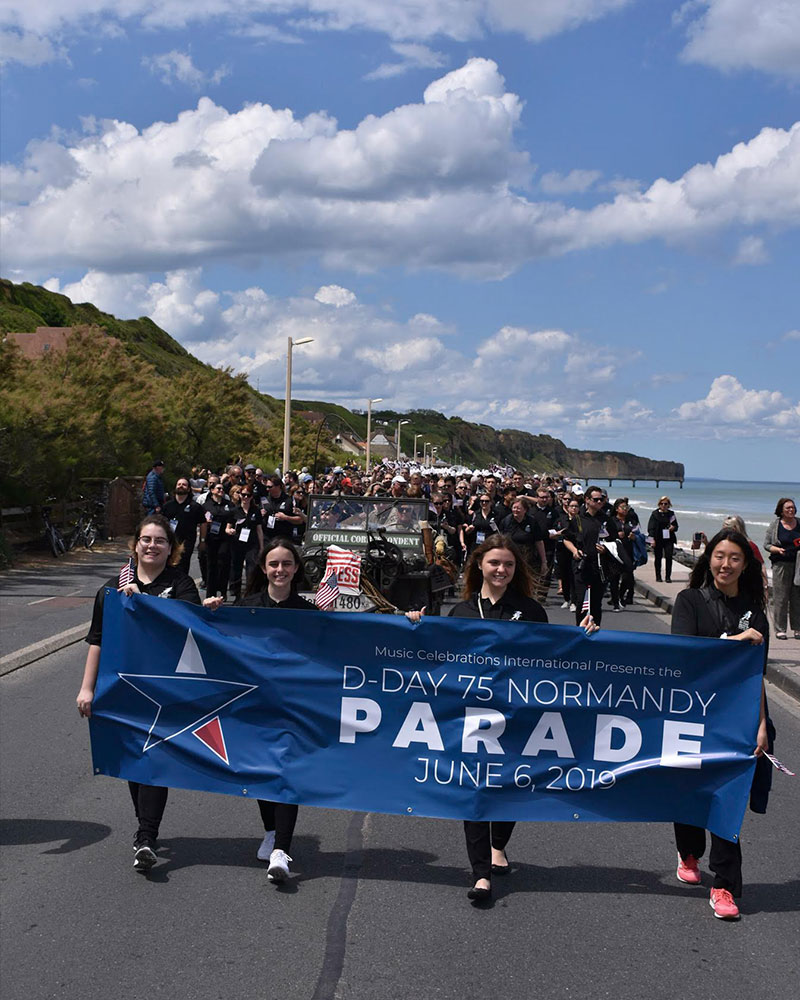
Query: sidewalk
point(783, 667)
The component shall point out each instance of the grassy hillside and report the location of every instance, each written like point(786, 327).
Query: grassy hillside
point(24, 307)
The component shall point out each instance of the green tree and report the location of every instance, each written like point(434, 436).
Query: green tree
point(210, 418)
point(89, 410)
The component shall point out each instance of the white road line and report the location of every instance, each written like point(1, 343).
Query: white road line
point(43, 599)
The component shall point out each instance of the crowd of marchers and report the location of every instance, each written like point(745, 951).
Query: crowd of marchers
point(588, 544)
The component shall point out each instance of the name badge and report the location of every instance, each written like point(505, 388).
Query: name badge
point(665, 532)
point(271, 522)
point(244, 534)
point(480, 537)
point(173, 523)
point(215, 526)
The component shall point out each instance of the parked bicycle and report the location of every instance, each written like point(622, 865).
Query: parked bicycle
point(52, 535)
point(86, 528)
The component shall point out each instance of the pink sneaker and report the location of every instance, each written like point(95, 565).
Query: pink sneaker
point(722, 904)
point(688, 871)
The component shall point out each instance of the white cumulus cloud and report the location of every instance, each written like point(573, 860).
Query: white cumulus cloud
point(729, 404)
point(744, 34)
point(429, 185)
point(335, 295)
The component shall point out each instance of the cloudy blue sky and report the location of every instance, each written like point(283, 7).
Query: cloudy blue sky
point(577, 217)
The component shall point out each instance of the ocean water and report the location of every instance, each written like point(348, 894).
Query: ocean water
point(703, 504)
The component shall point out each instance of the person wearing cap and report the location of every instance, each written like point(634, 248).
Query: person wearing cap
point(153, 493)
point(397, 487)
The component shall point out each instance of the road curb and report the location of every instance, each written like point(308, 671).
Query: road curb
point(37, 651)
point(782, 675)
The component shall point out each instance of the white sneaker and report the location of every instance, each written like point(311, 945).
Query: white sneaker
point(278, 866)
point(265, 848)
point(565, 604)
point(572, 607)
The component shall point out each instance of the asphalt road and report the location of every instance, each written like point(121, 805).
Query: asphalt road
point(378, 906)
point(47, 596)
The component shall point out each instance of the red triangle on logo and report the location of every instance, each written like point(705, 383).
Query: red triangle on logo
point(210, 734)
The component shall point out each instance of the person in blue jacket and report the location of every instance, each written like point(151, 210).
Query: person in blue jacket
point(154, 494)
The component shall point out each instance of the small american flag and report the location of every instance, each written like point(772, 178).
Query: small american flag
point(328, 591)
point(127, 574)
point(777, 764)
point(587, 600)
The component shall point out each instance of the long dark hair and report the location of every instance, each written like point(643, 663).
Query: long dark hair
point(751, 585)
point(175, 547)
point(521, 582)
point(257, 581)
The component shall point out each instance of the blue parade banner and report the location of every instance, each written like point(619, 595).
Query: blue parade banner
point(453, 718)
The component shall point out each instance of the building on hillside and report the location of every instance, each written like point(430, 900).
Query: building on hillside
point(45, 340)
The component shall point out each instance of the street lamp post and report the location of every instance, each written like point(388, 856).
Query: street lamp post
point(425, 453)
point(399, 425)
point(287, 406)
point(369, 428)
point(416, 438)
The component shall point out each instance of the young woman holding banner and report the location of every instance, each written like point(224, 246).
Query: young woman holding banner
point(725, 600)
point(155, 555)
point(497, 587)
point(273, 584)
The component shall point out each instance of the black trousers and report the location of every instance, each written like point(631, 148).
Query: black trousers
point(724, 860)
point(564, 563)
point(219, 568)
point(149, 802)
point(280, 817)
point(597, 585)
point(663, 548)
point(481, 837)
point(241, 556)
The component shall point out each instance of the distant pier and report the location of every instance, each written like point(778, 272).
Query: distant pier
point(632, 481)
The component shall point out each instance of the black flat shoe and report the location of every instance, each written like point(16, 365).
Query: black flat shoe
point(501, 869)
point(479, 895)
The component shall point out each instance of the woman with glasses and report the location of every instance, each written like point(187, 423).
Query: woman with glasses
point(663, 528)
point(155, 555)
point(246, 538)
point(215, 540)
